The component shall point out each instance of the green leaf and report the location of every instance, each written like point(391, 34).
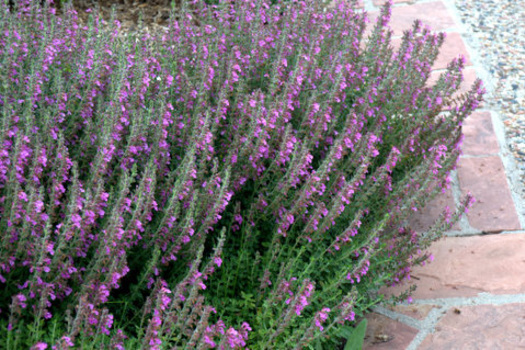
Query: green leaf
point(318, 345)
point(346, 332)
point(356, 339)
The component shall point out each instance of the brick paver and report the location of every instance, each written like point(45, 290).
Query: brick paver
point(480, 138)
point(452, 47)
point(383, 333)
point(466, 266)
point(472, 296)
point(479, 327)
point(494, 210)
point(433, 14)
point(425, 218)
point(469, 77)
point(381, 2)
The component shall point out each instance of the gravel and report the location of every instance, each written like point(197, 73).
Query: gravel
point(499, 27)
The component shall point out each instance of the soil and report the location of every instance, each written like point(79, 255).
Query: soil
point(155, 13)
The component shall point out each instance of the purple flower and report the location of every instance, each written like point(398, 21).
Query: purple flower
point(22, 196)
point(321, 317)
point(236, 339)
point(19, 300)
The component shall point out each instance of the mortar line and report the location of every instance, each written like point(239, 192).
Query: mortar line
point(409, 321)
point(434, 316)
point(483, 233)
point(444, 304)
point(481, 299)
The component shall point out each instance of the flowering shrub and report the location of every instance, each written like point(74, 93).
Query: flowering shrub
point(244, 180)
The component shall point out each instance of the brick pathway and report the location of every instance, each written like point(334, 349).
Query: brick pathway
point(472, 296)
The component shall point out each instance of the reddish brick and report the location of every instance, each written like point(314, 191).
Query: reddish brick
point(433, 14)
point(425, 218)
point(469, 77)
point(480, 138)
point(479, 327)
point(494, 210)
point(466, 266)
point(452, 48)
point(385, 333)
point(381, 2)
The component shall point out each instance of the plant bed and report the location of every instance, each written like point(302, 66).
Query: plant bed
point(241, 180)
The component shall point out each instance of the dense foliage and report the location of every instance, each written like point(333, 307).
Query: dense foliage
point(244, 180)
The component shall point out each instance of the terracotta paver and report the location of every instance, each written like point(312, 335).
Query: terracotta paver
point(422, 220)
point(479, 327)
point(384, 333)
point(494, 210)
point(480, 138)
point(452, 48)
point(381, 2)
point(434, 14)
point(469, 77)
point(466, 266)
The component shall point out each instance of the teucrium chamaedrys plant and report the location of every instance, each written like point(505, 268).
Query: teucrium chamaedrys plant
point(243, 180)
